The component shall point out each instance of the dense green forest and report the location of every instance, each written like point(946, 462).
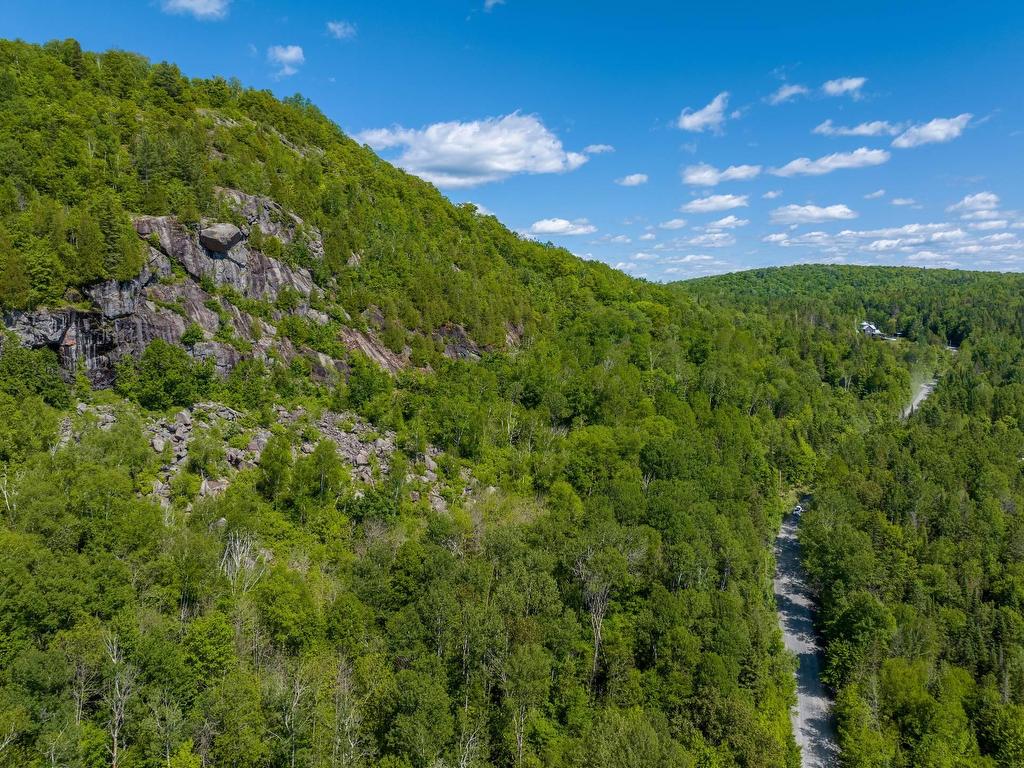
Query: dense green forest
point(594, 590)
point(915, 536)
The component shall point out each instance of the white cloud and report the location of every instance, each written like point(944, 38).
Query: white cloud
point(673, 224)
point(873, 128)
point(787, 93)
point(713, 240)
point(598, 149)
point(728, 222)
point(932, 243)
point(982, 201)
point(690, 258)
point(715, 203)
point(341, 30)
point(859, 158)
point(201, 9)
point(811, 214)
point(937, 131)
point(904, 201)
point(992, 224)
point(457, 154)
point(712, 116)
point(620, 239)
point(771, 194)
point(844, 85)
point(706, 175)
point(288, 58)
point(947, 235)
point(647, 236)
point(562, 227)
point(981, 215)
point(884, 245)
point(875, 195)
point(632, 180)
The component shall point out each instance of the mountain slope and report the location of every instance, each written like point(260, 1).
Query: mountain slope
point(247, 562)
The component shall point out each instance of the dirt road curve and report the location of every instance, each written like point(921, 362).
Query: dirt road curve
point(812, 717)
point(920, 396)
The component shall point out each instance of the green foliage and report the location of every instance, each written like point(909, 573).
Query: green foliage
point(164, 377)
point(192, 335)
point(593, 589)
point(24, 373)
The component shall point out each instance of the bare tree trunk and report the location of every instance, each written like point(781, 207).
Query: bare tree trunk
point(596, 595)
point(7, 491)
point(121, 687)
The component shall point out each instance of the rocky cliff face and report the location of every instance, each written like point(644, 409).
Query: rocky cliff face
point(175, 289)
point(168, 295)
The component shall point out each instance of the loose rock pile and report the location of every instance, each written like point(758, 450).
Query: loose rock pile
point(367, 452)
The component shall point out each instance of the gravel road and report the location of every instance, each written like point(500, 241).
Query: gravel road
point(920, 396)
point(812, 717)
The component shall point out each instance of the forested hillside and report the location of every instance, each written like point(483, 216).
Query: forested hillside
point(915, 534)
point(541, 538)
point(938, 305)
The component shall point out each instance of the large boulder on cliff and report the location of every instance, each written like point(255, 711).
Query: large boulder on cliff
point(220, 238)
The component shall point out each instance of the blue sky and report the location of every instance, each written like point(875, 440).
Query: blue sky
point(668, 139)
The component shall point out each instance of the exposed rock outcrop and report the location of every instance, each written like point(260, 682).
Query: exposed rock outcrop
point(250, 272)
point(159, 304)
point(371, 346)
point(173, 292)
point(220, 238)
point(457, 343)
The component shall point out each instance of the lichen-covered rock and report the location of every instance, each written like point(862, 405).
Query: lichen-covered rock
point(224, 356)
point(169, 294)
point(41, 328)
point(221, 237)
point(250, 272)
point(114, 297)
point(457, 343)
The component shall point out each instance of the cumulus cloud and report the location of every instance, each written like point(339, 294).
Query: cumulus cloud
point(201, 9)
point(985, 213)
point(466, 154)
point(844, 86)
point(710, 117)
point(713, 240)
point(632, 180)
point(904, 201)
point(287, 58)
point(873, 128)
point(931, 242)
point(706, 175)
point(937, 131)
point(859, 158)
point(728, 222)
point(771, 194)
point(787, 92)
point(341, 30)
point(673, 224)
point(981, 201)
point(715, 203)
point(562, 227)
point(811, 214)
point(598, 149)
point(875, 195)
point(647, 236)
